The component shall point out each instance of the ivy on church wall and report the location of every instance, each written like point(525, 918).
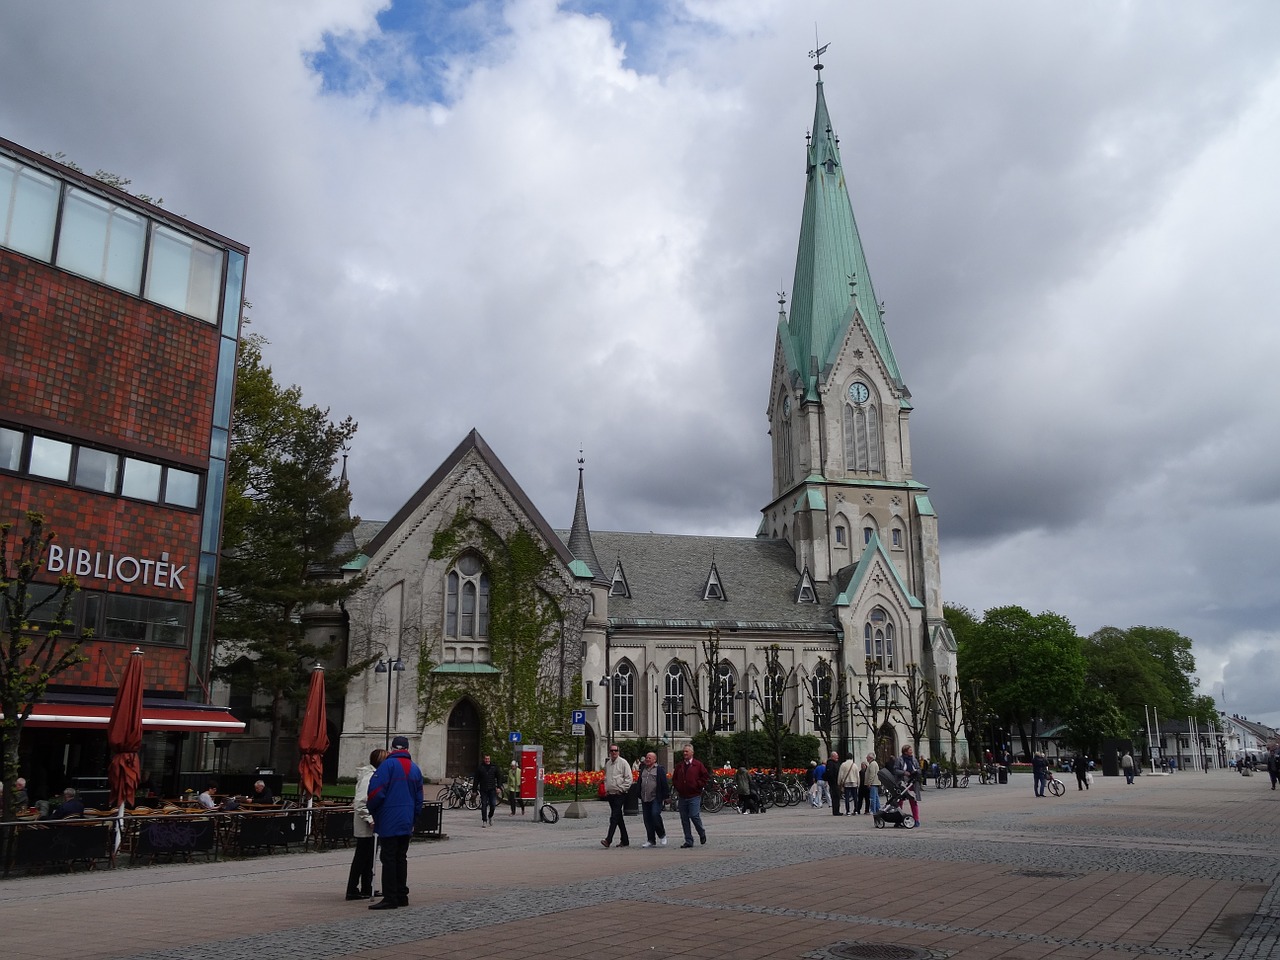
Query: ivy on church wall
point(529, 628)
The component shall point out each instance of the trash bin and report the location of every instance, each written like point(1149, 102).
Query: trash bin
point(631, 805)
point(1002, 774)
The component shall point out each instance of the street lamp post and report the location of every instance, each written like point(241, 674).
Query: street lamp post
point(390, 667)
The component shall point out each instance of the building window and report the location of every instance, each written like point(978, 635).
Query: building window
point(28, 210)
point(184, 273)
point(866, 534)
point(50, 459)
point(182, 488)
point(467, 600)
point(839, 535)
point(101, 240)
point(861, 439)
point(143, 620)
point(623, 695)
point(822, 698)
point(96, 470)
point(878, 635)
point(141, 480)
point(673, 699)
point(722, 712)
point(10, 449)
point(775, 685)
point(897, 538)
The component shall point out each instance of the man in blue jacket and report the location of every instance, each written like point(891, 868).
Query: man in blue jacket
point(395, 797)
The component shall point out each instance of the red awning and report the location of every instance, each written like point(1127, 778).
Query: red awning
point(182, 716)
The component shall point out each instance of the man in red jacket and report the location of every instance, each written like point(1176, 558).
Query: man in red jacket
point(690, 778)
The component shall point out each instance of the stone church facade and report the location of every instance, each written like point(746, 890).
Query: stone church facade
point(830, 617)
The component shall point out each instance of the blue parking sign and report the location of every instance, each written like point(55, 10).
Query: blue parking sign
point(579, 716)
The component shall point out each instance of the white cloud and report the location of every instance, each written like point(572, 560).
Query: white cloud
point(1070, 218)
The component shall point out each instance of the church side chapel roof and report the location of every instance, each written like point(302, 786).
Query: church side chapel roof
point(830, 254)
point(667, 575)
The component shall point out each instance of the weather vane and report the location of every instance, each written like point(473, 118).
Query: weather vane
point(818, 51)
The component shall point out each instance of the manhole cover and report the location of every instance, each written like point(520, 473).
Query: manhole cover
point(877, 951)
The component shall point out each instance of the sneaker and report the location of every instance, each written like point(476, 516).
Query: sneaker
point(662, 841)
point(646, 844)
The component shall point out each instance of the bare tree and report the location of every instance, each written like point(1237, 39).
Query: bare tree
point(917, 709)
point(770, 703)
point(948, 703)
point(871, 705)
point(705, 708)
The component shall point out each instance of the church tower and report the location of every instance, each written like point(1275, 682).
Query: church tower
point(843, 494)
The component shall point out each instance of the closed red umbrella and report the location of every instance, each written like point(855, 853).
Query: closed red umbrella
point(124, 734)
point(313, 739)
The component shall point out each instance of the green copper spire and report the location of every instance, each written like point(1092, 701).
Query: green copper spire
point(829, 260)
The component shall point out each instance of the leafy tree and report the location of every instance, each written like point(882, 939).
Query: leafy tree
point(33, 646)
point(1093, 718)
point(286, 513)
point(1030, 666)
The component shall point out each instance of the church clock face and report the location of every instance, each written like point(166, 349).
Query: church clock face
point(858, 392)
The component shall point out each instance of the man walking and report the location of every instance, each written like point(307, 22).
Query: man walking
point(653, 794)
point(395, 797)
point(1126, 764)
point(831, 775)
point(487, 780)
point(617, 782)
point(847, 780)
point(872, 777)
point(1081, 764)
point(690, 779)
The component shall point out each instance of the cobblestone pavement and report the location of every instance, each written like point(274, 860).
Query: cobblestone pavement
point(1180, 866)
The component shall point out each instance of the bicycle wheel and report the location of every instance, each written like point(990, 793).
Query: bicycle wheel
point(443, 795)
point(963, 781)
point(473, 800)
point(1056, 788)
point(548, 813)
point(712, 800)
point(944, 781)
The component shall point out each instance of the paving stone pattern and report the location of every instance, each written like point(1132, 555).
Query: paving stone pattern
point(1182, 866)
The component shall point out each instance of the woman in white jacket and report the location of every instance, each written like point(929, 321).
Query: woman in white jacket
point(360, 879)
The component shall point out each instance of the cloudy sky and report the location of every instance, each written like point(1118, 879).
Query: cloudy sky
point(566, 224)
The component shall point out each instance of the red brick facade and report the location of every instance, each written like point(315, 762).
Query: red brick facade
point(84, 359)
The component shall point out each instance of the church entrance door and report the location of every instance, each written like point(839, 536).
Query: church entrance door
point(462, 750)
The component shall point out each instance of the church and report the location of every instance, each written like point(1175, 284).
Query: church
point(480, 619)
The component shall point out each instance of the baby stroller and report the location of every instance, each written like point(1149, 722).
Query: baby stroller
point(894, 792)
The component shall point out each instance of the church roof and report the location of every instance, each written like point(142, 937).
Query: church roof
point(667, 576)
point(829, 255)
point(471, 442)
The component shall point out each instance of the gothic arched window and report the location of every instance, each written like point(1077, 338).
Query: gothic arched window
point(775, 685)
point(673, 699)
point(623, 695)
point(862, 438)
point(724, 684)
point(466, 609)
point(877, 633)
point(822, 698)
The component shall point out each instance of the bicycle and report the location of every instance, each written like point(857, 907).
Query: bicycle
point(548, 814)
point(1056, 786)
point(962, 778)
point(943, 780)
point(987, 774)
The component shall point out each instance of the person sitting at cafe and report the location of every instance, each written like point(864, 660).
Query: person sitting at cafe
point(206, 797)
point(20, 799)
point(260, 793)
point(71, 806)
